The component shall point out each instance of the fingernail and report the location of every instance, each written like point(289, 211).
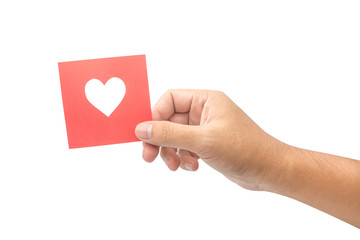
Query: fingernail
point(188, 166)
point(143, 130)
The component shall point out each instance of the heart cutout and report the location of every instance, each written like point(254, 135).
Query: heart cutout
point(105, 97)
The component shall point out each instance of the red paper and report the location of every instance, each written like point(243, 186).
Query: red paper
point(86, 124)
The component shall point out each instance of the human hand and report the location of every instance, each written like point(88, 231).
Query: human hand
point(192, 124)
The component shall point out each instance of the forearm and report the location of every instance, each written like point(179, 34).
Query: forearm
point(326, 182)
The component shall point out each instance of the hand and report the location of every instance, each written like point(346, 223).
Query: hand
point(193, 124)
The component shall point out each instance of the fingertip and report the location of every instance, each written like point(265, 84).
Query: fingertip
point(190, 166)
point(171, 163)
point(143, 130)
point(195, 165)
point(170, 158)
point(188, 161)
point(150, 152)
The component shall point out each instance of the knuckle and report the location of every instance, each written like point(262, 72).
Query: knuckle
point(208, 139)
point(219, 93)
point(169, 92)
point(167, 133)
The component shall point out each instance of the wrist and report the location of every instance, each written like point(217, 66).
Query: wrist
point(269, 167)
point(281, 168)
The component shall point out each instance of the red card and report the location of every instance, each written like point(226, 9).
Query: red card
point(104, 99)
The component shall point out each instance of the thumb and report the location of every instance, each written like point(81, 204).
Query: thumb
point(169, 134)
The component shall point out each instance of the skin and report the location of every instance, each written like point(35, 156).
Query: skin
point(192, 124)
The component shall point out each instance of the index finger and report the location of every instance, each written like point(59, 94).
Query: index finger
point(180, 101)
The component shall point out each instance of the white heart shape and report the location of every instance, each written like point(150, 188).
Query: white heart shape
point(105, 98)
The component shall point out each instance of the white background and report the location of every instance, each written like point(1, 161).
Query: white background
point(293, 66)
